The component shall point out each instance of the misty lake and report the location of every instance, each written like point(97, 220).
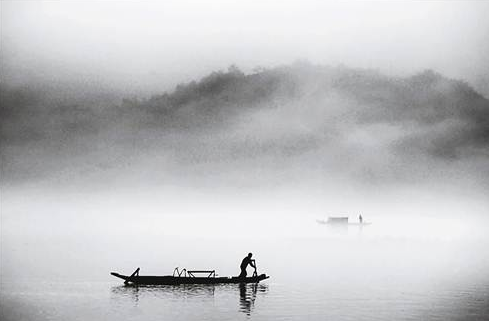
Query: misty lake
point(316, 273)
point(165, 134)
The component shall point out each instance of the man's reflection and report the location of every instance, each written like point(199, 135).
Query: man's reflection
point(247, 296)
point(245, 301)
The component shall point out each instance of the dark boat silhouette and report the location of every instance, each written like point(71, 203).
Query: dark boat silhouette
point(186, 277)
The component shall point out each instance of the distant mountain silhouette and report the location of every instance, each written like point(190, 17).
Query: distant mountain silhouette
point(426, 98)
point(280, 112)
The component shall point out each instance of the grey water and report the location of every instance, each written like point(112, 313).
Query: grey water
point(347, 274)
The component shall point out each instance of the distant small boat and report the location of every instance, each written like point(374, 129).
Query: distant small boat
point(341, 221)
point(186, 277)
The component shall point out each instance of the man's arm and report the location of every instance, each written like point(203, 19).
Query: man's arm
point(252, 263)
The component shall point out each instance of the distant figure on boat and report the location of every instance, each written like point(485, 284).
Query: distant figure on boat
point(247, 260)
point(360, 218)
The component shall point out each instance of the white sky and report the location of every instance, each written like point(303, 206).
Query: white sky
point(148, 42)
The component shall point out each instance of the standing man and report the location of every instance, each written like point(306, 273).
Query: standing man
point(247, 260)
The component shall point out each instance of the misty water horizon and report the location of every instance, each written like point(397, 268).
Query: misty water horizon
point(300, 142)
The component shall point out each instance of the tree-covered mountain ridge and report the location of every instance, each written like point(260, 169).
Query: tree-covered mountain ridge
point(335, 117)
point(426, 98)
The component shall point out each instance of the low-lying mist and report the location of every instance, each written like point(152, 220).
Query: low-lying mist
point(277, 125)
point(286, 146)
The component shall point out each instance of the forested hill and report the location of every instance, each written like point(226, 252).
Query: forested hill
point(301, 110)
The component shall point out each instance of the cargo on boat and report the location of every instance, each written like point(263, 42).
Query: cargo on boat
point(186, 277)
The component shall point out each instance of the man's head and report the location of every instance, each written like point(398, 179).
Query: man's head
point(250, 255)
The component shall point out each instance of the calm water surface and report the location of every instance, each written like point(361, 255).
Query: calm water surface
point(271, 300)
point(56, 266)
point(311, 279)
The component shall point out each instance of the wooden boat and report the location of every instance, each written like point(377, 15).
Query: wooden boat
point(186, 277)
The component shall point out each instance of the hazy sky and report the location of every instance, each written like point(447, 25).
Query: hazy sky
point(154, 45)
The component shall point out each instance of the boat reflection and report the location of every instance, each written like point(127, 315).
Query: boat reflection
point(182, 290)
point(247, 293)
point(126, 291)
point(247, 296)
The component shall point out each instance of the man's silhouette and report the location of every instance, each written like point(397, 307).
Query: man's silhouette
point(247, 260)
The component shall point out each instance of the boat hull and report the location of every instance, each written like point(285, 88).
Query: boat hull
point(175, 280)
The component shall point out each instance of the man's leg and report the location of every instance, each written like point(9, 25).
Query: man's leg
point(243, 273)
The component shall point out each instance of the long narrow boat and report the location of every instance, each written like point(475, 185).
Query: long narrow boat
point(186, 278)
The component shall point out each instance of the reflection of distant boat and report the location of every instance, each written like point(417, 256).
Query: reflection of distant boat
point(341, 221)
